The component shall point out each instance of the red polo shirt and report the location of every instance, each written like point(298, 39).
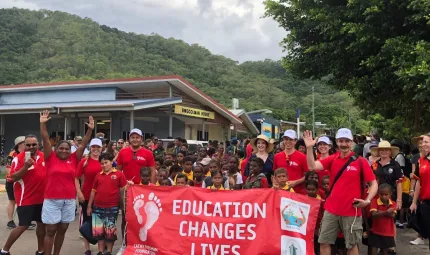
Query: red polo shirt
point(60, 175)
point(132, 162)
point(296, 165)
point(89, 172)
point(29, 190)
point(383, 226)
point(423, 175)
point(348, 186)
point(106, 187)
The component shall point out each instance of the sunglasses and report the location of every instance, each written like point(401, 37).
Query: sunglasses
point(31, 144)
point(120, 142)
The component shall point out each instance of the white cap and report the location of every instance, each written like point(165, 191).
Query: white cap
point(96, 142)
point(19, 139)
point(344, 133)
point(290, 133)
point(324, 139)
point(136, 131)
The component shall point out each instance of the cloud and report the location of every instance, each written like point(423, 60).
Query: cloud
point(233, 28)
point(19, 4)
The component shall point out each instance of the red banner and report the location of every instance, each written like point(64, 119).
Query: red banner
point(196, 221)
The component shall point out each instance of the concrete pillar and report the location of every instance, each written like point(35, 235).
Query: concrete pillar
point(170, 113)
point(204, 130)
point(131, 120)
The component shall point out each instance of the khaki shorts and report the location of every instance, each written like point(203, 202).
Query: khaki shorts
point(331, 224)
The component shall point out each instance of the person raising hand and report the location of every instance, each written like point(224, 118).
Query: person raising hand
point(348, 173)
point(59, 203)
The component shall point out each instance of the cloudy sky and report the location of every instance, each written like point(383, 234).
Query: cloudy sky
point(233, 28)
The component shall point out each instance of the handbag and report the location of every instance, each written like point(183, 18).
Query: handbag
point(86, 231)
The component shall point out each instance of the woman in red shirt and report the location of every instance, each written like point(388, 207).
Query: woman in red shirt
point(60, 194)
point(88, 168)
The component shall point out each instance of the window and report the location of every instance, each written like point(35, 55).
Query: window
point(200, 136)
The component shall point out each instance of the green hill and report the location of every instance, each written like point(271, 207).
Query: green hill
point(45, 46)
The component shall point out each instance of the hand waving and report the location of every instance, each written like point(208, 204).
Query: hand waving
point(309, 141)
point(44, 116)
point(90, 122)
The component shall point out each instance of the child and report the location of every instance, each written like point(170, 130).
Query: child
point(405, 204)
point(168, 164)
point(198, 176)
point(181, 180)
point(280, 180)
point(217, 179)
point(104, 203)
point(312, 175)
point(235, 178)
point(162, 174)
point(174, 170)
point(325, 183)
point(145, 176)
point(213, 165)
point(256, 179)
point(188, 167)
point(312, 191)
point(165, 182)
point(158, 163)
point(383, 210)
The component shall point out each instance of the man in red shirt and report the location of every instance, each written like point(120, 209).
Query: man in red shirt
point(29, 175)
point(342, 206)
point(130, 160)
point(292, 160)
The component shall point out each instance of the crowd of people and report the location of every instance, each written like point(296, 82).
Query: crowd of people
point(366, 190)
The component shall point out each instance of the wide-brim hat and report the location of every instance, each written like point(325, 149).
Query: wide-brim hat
point(385, 145)
point(269, 143)
point(416, 139)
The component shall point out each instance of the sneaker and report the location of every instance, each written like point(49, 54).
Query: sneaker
point(4, 253)
point(10, 225)
point(38, 253)
point(100, 253)
point(32, 227)
point(88, 252)
point(417, 241)
point(121, 250)
point(400, 225)
point(108, 253)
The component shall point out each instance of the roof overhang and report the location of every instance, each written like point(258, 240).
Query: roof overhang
point(246, 120)
point(93, 106)
point(133, 84)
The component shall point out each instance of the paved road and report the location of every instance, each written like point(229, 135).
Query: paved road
point(27, 244)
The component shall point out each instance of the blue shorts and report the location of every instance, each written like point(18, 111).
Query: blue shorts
point(58, 211)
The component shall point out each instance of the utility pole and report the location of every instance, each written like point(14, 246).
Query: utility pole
point(313, 112)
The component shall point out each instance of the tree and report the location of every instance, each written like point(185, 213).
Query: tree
point(46, 46)
point(379, 51)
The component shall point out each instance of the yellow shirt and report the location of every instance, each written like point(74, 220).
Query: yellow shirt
point(286, 188)
point(157, 184)
point(208, 174)
point(406, 185)
point(189, 175)
point(318, 197)
point(221, 188)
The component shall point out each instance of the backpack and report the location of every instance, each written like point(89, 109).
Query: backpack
point(407, 169)
point(256, 183)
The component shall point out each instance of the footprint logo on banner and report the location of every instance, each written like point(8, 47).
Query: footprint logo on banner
point(149, 215)
point(292, 246)
point(294, 215)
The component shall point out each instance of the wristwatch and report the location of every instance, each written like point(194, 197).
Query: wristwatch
point(368, 201)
